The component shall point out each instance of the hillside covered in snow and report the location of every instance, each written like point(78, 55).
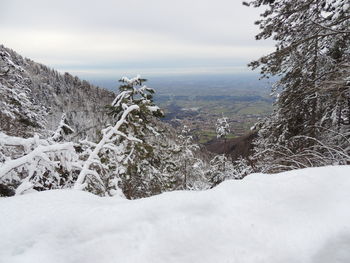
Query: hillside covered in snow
point(34, 97)
point(296, 216)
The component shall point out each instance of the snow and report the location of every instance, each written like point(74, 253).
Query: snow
point(132, 80)
point(153, 108)
point(296, 216)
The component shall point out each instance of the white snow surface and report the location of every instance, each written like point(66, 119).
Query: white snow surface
point(297, 216)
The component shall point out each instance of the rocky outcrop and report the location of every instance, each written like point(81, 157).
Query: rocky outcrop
point(33, 98)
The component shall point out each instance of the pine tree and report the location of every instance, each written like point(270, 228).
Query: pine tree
point(125, 157)
point(191, 167)
point(312, 52)
point(222, 128)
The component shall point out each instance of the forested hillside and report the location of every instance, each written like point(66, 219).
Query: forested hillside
point(33, 98)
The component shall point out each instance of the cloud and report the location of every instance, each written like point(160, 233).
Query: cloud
point(97, 34)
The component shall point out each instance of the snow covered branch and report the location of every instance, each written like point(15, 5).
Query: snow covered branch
point(36, 163)
point(40, 152)
point(80, 184)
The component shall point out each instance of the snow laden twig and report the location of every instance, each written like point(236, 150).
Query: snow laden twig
point(35, 163)
point(80, 184)
point(40, 152)
point(26, 143)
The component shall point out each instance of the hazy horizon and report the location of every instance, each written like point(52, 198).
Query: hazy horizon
point(108, 38)
point(190, 81)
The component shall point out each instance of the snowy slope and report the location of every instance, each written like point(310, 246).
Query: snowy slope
point(33, 98)
point(297, 216)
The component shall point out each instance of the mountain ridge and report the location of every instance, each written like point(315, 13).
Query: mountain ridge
point(33, 98)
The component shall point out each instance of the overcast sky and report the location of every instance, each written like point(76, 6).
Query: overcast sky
point(153, 37)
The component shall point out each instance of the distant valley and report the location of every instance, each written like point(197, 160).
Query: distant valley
point(198, 101)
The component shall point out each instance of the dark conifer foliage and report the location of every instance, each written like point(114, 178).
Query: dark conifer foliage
point(312, 61)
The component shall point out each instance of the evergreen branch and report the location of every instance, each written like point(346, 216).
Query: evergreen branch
point(331, 29)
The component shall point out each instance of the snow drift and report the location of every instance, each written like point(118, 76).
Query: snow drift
point(296, 216)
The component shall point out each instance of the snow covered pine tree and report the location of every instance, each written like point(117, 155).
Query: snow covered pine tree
point(123, 159)
point(312, 61)
point(222, 128)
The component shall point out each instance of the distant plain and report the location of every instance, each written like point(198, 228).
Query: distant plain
point(199, 100)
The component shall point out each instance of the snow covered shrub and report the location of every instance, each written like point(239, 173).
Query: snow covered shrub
point(328, 148)
point(191, 167)
point(242, 167)
point(36, 164)
point(223, 168)
point(220, 169)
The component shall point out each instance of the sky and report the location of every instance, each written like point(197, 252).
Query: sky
point(104, 38)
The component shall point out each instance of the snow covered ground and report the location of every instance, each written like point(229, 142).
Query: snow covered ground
point(298, 216)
